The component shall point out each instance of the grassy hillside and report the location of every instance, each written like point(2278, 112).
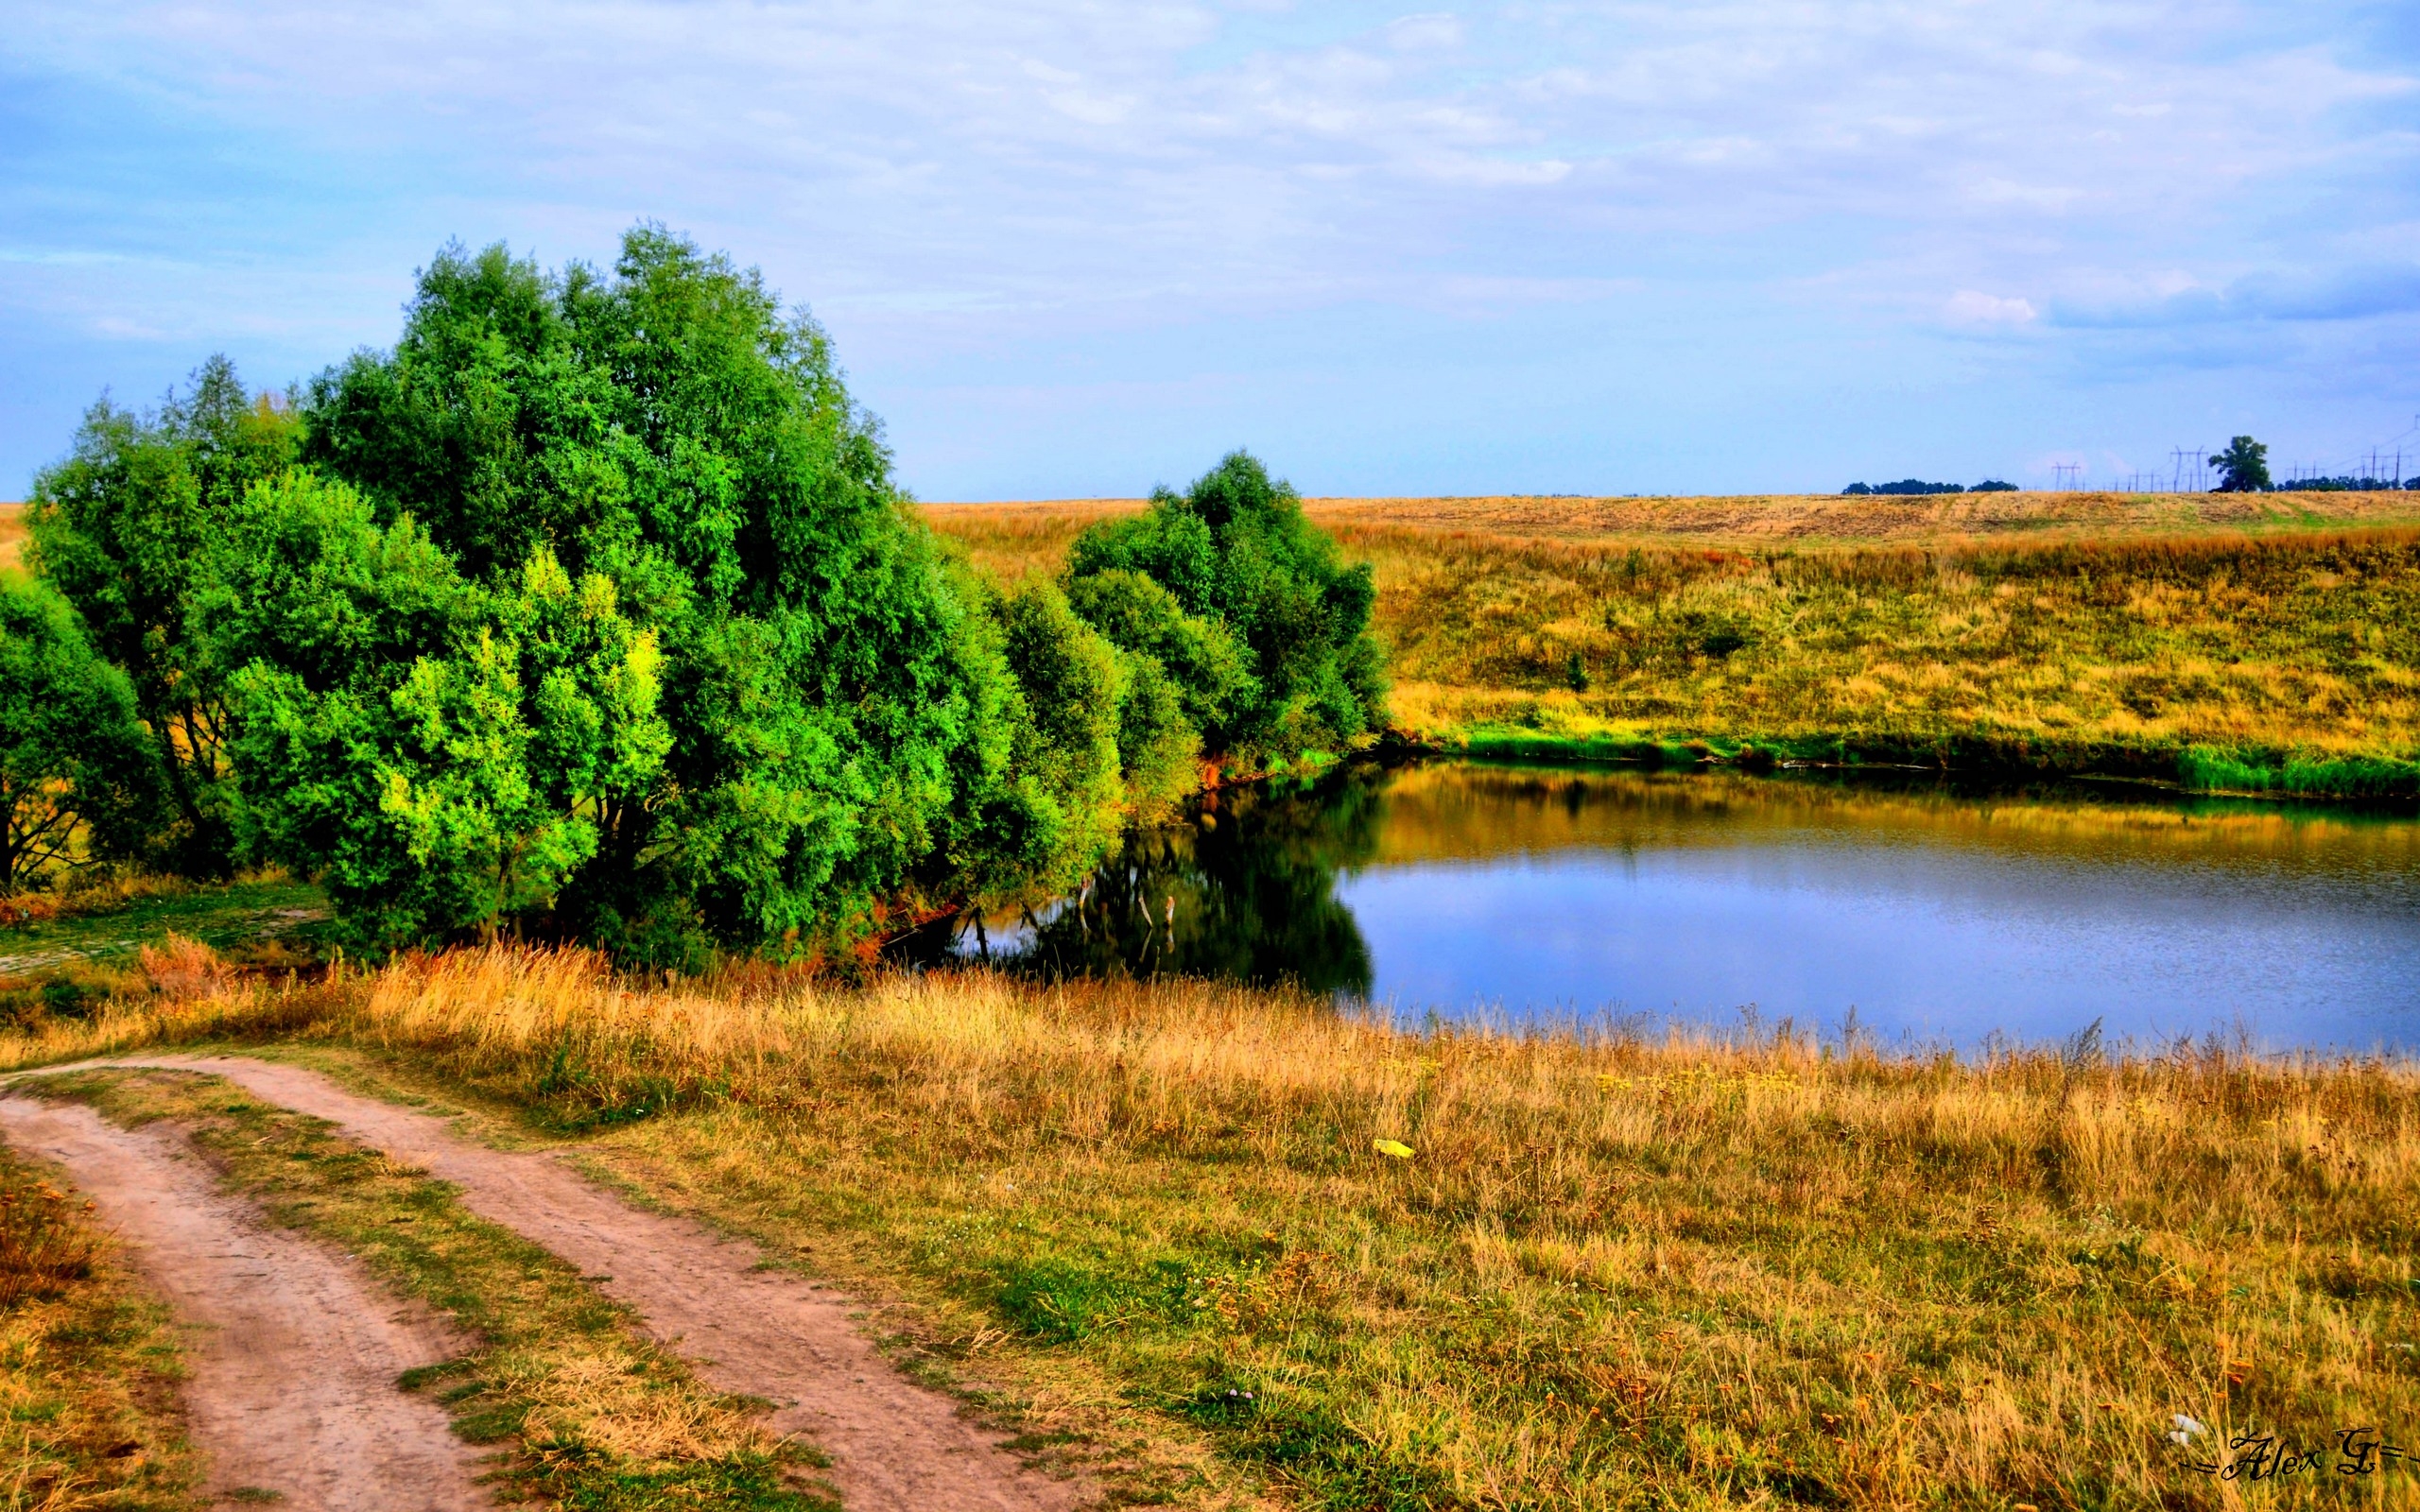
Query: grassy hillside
point(1610, 1274)
point(12, 535)
point(2238, 642)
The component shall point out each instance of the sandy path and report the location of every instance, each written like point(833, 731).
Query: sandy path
point(293, 1352)
point(895, 1446)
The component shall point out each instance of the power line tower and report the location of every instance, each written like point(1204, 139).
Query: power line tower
point(2183, 457)
point(2064, 473)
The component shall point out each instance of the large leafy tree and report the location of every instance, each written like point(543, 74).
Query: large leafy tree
point(2243, 467)
point(843, 723)
point(443, 752)
point(1264, 626)
point(74, 765)
point(122, 527)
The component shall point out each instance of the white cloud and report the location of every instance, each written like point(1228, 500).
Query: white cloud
point(1972, 307)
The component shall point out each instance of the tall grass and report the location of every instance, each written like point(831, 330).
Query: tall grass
point(1615, 1271)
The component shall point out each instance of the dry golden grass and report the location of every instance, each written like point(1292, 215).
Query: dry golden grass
point(1011, 541)
point(1029, 537)
point(12, 535)
point(87, 1365)
point(1614, 1273)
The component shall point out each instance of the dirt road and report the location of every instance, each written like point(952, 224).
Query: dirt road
point(293, 1351)
point(895, 1446)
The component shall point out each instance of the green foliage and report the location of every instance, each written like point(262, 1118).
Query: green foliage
point(1186, 675)
point(72, 756)
point(2221, 769)
point(818, 713)
point(121, 529)
point(592, 608)
point(2243, 467)
point(1243, 568)
point(444, 752)
point(1051, 812)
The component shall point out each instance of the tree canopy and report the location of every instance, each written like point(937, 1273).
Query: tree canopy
point(1263, 629)
point(72, 755)
point(591, 608)
point(123, 528)
point(2243, 467)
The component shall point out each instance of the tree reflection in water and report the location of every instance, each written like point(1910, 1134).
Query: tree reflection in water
point(1243, 890)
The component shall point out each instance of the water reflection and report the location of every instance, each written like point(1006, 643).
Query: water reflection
point(1246, 889)
point(1938, 912)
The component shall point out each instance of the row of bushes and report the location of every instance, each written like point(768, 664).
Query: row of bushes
point(592, 610)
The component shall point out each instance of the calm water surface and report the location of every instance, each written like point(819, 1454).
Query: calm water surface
point(1939, 915)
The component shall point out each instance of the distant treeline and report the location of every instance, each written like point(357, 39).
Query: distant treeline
point(591, 610)
point(1919, 486)
point(2345, 485)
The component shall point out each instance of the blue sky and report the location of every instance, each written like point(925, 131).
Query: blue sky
point(1077, 248)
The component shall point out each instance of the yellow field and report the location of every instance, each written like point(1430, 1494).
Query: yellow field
point(12, 535)
point(2104, 630)
point(1023, 536)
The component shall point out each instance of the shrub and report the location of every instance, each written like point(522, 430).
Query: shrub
point(1052, 813)
point(442, 753)
point(811, 712)
point(1234, 553)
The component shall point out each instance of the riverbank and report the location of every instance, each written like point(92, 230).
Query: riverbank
point(2229, 642)
point(1609, 1273)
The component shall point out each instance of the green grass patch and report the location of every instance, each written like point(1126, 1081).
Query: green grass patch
point(234, 918)
point(2217, 769)
point(585, 1412)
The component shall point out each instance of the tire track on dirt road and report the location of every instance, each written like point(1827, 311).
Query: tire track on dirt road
point(293, 1352)
point(895, 1446)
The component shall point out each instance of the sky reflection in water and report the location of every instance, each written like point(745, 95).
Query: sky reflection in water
point(1939, 915)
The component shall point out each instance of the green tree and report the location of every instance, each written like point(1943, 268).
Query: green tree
point(844, 716)
point(443, 753)
point(1186, 675)
point(2243, 467)
point(1235, 554)
point(1050, 811)
point(121, 529)
point(73, 762)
